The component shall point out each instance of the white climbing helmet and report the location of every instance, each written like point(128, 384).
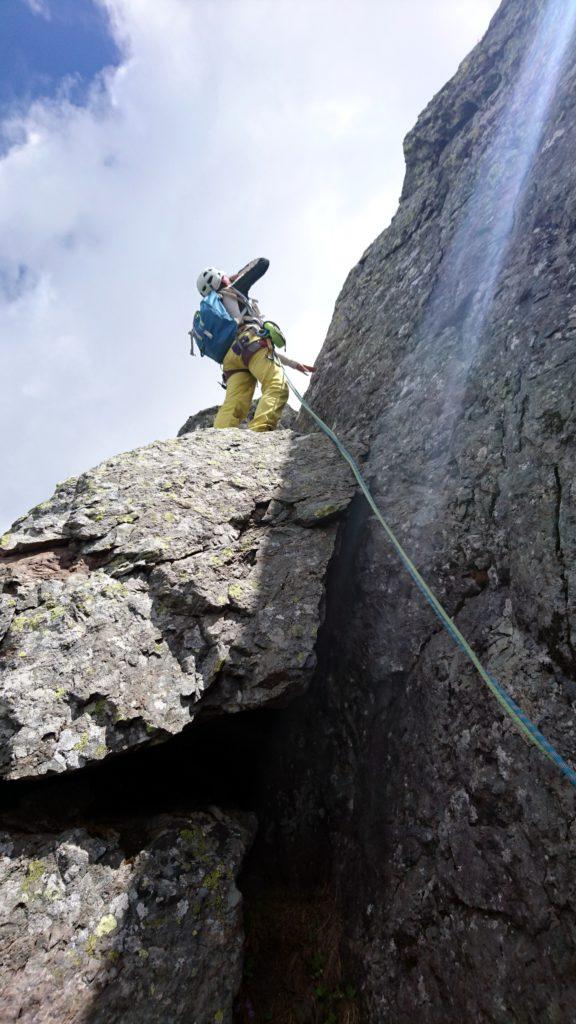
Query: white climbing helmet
point(209, 279)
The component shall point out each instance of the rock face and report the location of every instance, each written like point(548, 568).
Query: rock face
point(186, 581)
point(181, 581)
point(180, 578)
point(453, 346)
point(90, 934)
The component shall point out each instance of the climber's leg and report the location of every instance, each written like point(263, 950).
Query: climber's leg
point(239, 393)
point(274, 392)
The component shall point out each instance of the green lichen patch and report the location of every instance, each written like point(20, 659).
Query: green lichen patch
point(57, 612)
point(31, 886)
point(22, 623)
point(196, 842)
point(105, 926)
point(114, 589)
point(325, 511)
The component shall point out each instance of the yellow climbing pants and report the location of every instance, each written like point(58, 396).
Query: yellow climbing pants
point(240, 391)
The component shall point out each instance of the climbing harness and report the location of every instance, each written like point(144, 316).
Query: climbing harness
point(519, 718)
point(248, 343)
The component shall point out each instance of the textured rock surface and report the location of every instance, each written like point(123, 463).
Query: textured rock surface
point(453, 346)
point(189, 577)
point(205, 418)
point(90, 934)
point(183, 575)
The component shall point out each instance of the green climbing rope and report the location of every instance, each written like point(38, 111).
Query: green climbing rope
point(520, 719)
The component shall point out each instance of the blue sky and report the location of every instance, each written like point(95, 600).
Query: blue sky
point(47, 46)
point(146, 139)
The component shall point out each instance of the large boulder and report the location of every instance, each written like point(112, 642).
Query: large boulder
point(92, 932)
point(180, 578)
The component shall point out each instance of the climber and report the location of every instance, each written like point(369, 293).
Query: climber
point(249, 359)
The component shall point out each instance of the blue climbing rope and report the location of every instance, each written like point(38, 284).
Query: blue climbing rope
point(520, 719)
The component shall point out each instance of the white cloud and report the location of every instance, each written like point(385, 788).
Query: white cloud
point(231, 130)
point(39, 7)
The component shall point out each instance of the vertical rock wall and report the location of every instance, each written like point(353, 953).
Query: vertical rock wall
point(453, 348)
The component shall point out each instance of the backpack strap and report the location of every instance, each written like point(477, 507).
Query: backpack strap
point(246, 302)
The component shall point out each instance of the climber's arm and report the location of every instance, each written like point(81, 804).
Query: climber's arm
point(301, 367)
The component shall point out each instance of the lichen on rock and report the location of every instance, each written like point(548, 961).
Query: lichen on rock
point(90, 933)
point(179, 576)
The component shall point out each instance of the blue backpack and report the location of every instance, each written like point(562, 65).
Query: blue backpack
point(213, 328)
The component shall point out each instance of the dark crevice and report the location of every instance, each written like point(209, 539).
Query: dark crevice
point(254, 519)
point(216, 762)
point(523, 410)
point(557, 532)
point(296, 966)
point(568, 664)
